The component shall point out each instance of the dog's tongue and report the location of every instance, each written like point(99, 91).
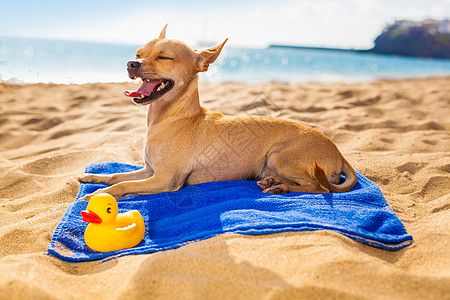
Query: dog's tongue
point(145, 89)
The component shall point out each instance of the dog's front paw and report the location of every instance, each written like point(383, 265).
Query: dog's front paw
point(86, 198)
point(85, 178)
point(90, 178)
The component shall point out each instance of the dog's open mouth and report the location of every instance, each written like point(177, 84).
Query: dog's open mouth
point(150, 90)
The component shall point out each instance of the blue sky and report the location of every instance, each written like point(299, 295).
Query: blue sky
point(345, 23)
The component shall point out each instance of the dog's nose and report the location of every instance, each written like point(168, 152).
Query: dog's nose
point(133, 64)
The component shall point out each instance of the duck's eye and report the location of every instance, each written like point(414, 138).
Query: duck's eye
point(163, 58)
point(108, 210)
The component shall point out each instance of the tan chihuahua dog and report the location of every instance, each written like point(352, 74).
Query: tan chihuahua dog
point(187, 144)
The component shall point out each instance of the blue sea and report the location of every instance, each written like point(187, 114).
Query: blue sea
point(38, 60)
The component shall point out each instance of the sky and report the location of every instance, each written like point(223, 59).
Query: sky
point(321, 23)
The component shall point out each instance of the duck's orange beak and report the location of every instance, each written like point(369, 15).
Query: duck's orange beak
point(91, 217)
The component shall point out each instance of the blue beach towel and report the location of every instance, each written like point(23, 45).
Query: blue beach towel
point(206, 210)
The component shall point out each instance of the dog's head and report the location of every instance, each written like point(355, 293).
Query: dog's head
point(165, 67)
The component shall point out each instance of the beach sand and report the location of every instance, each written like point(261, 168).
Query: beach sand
point(396, 133)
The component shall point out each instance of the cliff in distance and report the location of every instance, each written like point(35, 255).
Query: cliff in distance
point(429, 38)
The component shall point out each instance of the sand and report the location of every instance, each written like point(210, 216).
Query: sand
point(397, 133)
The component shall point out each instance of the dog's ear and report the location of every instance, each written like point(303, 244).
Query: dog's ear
point(162, 35)
point(208, 56)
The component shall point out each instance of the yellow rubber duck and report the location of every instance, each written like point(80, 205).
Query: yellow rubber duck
point(108, 230)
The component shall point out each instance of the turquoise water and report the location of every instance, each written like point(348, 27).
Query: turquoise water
point(39, 60)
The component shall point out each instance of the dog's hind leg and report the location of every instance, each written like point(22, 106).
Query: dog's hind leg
point(272, 183)
point(281, 186)
point(283, 175)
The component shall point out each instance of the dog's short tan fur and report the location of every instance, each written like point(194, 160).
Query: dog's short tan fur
point(187, 144)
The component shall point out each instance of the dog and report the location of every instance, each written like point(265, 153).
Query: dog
point(187, 144)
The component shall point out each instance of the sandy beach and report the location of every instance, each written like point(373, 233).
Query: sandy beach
point(396, 133)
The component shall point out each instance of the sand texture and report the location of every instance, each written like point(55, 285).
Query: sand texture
point(396, 133)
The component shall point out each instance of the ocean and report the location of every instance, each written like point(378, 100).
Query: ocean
point(27, 60)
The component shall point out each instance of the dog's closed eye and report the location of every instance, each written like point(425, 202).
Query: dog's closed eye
point(159, 57)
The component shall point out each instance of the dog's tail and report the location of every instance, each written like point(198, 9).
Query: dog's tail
point(347, 185)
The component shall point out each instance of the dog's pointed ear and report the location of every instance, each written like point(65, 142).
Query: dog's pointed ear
point(162, 35)
point(208, 56)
